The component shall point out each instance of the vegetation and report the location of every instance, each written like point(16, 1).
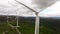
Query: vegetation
point(27, 26)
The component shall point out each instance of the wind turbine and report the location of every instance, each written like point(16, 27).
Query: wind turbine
point(43, 5)
point(14, 27)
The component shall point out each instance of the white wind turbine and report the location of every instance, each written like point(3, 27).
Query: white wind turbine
point(14, 27)
point(43, 5)
point(17, 19)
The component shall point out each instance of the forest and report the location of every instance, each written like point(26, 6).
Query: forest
point(27, 25)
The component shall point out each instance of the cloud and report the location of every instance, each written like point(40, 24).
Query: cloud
point(51, 11)
point(43, 3)
point(12, 6)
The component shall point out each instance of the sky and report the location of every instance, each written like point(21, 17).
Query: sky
point(53, 10)
point(11, 7)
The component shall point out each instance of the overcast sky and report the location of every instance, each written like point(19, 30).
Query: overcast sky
point(8, 7)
